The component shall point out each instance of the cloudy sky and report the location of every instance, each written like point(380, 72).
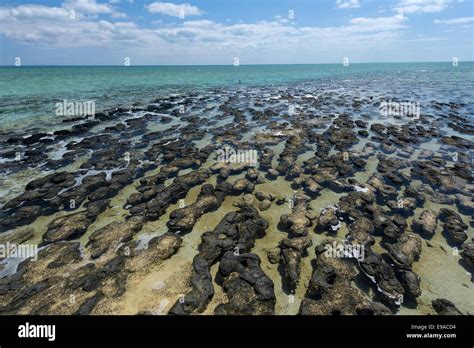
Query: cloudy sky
point(97, 32)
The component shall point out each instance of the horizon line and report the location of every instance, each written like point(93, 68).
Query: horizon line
point(229, 65)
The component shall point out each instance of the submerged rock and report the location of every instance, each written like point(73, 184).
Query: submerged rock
point(235, 233)
point(406, 250)
point(391, 227)
point(383, 275)
point(445, 307)
point(17, 236)
point(361, 232)
point(467, 253)
point(262, 196)
point(381, 188)
point(159, 248)
point(67, 227)
point(273, 254)
point(87, 307)
point(292, 251)
point(453, 225)
point(404, 205)
point(328, 220)
point(426, 223)
point(411, 282)
point(264, 205)
point(157, 202)
point(466, 203)
point(249, 290)
point(330, 291)
point(110, 236)
point(298, 221)
point(183, 219)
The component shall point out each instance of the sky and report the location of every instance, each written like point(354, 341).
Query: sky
point(196, 32)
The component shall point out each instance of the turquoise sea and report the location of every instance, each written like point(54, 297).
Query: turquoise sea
point(28, 94)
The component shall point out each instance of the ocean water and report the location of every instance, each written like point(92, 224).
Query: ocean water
point(28, 95)
point(319, 92)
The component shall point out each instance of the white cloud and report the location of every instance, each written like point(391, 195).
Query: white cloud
point(174, 10)
point(69, 10)
point(88, 6)
point(347, 4)
point(461, 20)
point(379, 23)
point(98, 26)
point(118, 15)
point(25, 12)
point(205, 41)
point(201, 41)
point(422, 6)
point(39, 25)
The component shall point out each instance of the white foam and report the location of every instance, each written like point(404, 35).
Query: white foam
point(6, 160)
point(171, 141)
point(12, 263)
point(398, 299)
point(335, 228)
point(143, 241)
point(59, 152)
point(79, 179)
point(361, 189)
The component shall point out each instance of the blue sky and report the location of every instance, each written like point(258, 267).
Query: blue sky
point(95, 32)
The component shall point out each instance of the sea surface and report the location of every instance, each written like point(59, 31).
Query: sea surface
point(28, 95)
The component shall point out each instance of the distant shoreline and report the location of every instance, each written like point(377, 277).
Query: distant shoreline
point(218, 65)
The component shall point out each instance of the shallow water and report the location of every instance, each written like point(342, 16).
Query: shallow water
point(318, 102)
